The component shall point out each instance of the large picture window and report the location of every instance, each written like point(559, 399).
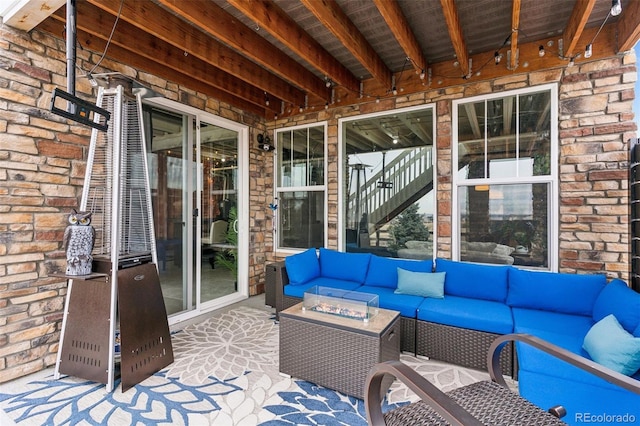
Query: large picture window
point(301, 187)
point(506, 151)
point(387, 184)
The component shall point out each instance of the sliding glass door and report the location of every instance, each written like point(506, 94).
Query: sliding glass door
point(219, 164)
point(196, 184)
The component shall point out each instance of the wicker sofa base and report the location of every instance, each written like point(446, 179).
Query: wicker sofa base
point(461, 346)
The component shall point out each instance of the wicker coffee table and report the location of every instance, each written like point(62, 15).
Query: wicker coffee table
point(337, 352)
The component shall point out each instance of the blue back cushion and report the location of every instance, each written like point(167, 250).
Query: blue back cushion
point(302, 267)
point(473, 280)
point(618, 299)
point(344, 266)
point(383, 271)
point(551, 291)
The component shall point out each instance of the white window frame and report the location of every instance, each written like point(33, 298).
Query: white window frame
point(315, 188)
point(342, 220)
point(551, 179)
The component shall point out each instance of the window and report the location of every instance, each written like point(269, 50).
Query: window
point(388, 192)
point(505, 148)
point(301, 187)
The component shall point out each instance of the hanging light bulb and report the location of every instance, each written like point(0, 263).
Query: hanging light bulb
point(394, 91)
point(497, 57)
point(541, 51)
point(588, 51)
point(616, 7)
point(326, 105)
point(422, 74)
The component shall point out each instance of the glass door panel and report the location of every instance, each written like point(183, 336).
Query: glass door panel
point(170, 138)
point(219, 201)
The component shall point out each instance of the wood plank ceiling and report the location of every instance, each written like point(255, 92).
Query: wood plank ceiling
point(283, 57)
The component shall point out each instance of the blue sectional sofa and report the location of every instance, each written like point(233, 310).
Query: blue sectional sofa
point(476, 303)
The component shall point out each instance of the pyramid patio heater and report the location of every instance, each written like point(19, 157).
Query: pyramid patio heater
point(122, 297)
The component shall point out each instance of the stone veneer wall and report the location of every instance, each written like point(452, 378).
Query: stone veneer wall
point(42, 167)
point(42, 163)
point(595, 124)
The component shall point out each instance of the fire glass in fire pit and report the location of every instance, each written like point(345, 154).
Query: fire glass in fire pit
point(348, 304)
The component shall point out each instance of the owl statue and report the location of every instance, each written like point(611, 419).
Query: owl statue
point(79, 238)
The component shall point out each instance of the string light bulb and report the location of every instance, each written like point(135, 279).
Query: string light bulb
point(588, 51)
point(497, 57)
point(394, 91)
point(541, 51)
point(423, 74)
point(616, 7)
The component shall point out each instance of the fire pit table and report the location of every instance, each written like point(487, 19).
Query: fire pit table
point(335, 351)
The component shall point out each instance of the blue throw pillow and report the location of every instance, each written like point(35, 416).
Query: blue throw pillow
point(383, 271)
point(425, 284)
point(618, 299)
point(612, 346)
point(302, 267)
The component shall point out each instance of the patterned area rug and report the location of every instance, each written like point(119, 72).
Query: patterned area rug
point(225, 373)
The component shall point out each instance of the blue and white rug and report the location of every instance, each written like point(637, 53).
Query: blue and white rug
point(225, 373)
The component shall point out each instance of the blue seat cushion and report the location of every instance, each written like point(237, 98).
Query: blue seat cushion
point(406, 304)
point(475, 314)
point(344, 266)
point(472, 280)
point(298, 290)
point(583, 402)
point(551, 291)
point(302, 267)
point(618, 299)
point(533, 321)
point(568, 334)
point(383, 271)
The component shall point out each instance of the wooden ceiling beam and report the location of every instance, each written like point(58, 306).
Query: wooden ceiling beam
point(329, 13)
point(455, 34)
point(629, 26)
point(155, 20)
point(397, 23)
point(575, 26)
point(274, 20)
point(515, 26)
point(99, 23)
point(26, 15)
point(226, 28)
point(56, 27)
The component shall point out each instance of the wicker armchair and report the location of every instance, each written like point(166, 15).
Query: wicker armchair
point(483, 403)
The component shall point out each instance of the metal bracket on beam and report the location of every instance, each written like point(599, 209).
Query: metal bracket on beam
point(517, 59)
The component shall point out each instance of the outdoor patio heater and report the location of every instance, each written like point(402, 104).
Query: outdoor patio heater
point(122, 297)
